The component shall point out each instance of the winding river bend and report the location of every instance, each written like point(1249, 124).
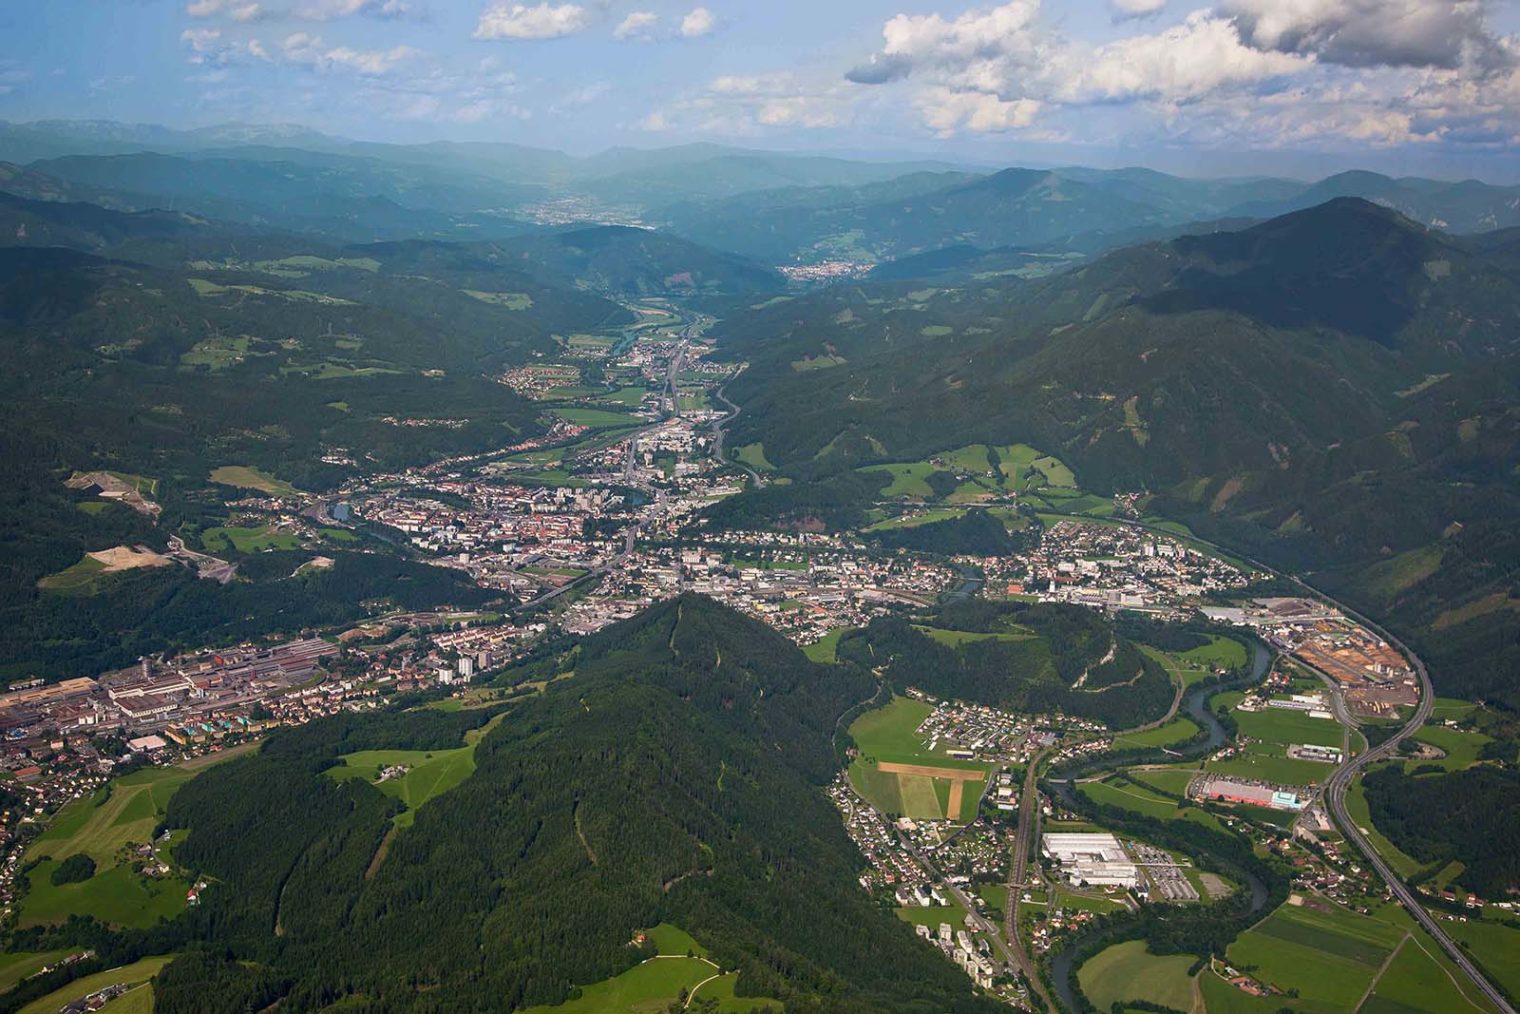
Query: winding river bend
point(1196, 705)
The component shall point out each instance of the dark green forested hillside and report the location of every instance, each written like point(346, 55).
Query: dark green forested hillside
point(675, 778)
point(1030, 658)
point(1335, 390)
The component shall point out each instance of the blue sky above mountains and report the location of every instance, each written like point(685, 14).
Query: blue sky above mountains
point(1415, 85)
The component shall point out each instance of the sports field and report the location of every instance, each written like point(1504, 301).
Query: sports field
point(1128, 971)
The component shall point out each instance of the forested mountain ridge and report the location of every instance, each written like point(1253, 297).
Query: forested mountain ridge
point(1276, 388)
point(675, 778)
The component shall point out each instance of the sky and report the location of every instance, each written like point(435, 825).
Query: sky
point(1228, 87)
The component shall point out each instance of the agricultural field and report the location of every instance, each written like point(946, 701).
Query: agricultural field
point(1338, 960)
point(1329, 954)
point(753, 455)
point(1271, 732)
point(897, 775)
point(1150, 797)
point(594, 418)
point(135, 974)
point(1415, 978)
point(1461, 746)
point(246, 477)
point(1128, 971)
point(505, 300)
point(826, 649)
point(247, 540)
point(1178, 730)
point(907, 479)
point(430, 773)
point(913, 520)
point(955, 638)
point(100, 827)
point(24, 964)
point(1221, 652)
point(932, 915)
point(218, 353)
point(1495, 946)
point(651, 987)
point(82, 578)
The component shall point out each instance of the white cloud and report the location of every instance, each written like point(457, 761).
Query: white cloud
point(309, 50)
point(749, 104)
point(207, 48)
point(698, 21)
point(237, 10)
point(1126, 10)
point(585, 96)
point(637, 26)
point(332, 10)
point(542, 21)
point(1200, 57)
point(945, 111)
point(1367, 33)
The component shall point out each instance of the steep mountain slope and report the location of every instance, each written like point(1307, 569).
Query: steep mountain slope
point(1468, 206)
point(1016, 206)
point(348, 198)
point(1330, 389)
point(637, 262)
point(676, 777)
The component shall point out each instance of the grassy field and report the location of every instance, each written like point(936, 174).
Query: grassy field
point(753, 455)
point(917, 915)
point(914, 520)
point(82, 578)
point(1461, 746)
point(826, 648)
point(1272, 731)
point(100, 827)
point(891, 730)
point(889, 735)
point(956, 638)
point(907, 479)
point(248, 540)
point(430, 772)
point(23, 964)
point(1128, 971)
point(1415, 979)
point(1495, 946)
point(246, 477)
point(1143, 800)
point(1178, 730)
point(596, 418)
point(1224, 652)
point(137, 972)
point(1329, 954)
point(505, 300)
point(650, 987)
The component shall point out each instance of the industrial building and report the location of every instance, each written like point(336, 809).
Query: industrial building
point(1095, 859)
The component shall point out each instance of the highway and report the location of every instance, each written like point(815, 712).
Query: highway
point(1335, 794)
point(1338, 783)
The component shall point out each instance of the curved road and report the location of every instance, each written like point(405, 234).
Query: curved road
point(1340, 780)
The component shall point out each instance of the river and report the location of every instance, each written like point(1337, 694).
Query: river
point(1196, 704)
